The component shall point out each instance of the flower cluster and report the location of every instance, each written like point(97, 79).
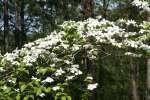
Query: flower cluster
point(141, 4)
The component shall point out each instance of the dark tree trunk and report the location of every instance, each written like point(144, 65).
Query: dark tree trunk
point(90, 67)
point(105, 8)
point(88, 6)
point(18, 36)
point(134, 79)
point(148, 79)
point(6, 26)
point(22, 23)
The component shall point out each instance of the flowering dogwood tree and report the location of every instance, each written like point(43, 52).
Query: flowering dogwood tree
point(54, 67)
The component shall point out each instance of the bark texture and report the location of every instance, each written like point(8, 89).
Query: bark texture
point(6, 27)
point(88, 6)
point(24, 37)
point(18, 37)
point(134, 79)
point(148, 79)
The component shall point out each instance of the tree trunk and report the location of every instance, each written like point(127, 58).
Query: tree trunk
point(134, 79)
point(6, 27)
point(148, 79)
point(22, 23)
point(104, 9)
point(92, 69)
point(18, 37)
point(88, 6)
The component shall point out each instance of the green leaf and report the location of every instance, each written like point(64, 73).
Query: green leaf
point(18, 97)
point(31, 96)
point(26, 71)
point(58, 94)
point(42, 70)
point(48, 90)
point(68, 98)
point(26, 97)
point(63, 98)
point(23, 70)
point(8, 90)
point(23, 87)
point(39, 91)
point(8, 98)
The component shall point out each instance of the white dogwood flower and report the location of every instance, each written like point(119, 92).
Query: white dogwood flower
point(55, 88)
point(92, 86)
point(59, 72)
point(48, 80)
point(42, 95)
